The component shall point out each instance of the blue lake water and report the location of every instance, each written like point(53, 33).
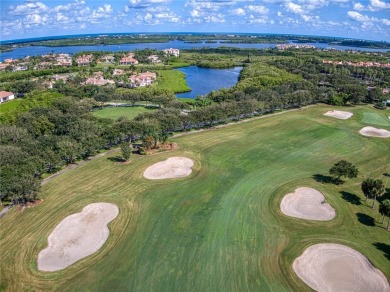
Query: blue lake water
point(42, 50)
point(202, 80)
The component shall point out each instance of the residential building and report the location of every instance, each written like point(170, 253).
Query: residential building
point(84, 60)
point(3, 66)
point(172, 52)
point(107, 59)
point(118, 72)
point(128, 60)
point(142, 79)
point(6, 96)
point(64, 60)
point(98, 79)
point(154, 59)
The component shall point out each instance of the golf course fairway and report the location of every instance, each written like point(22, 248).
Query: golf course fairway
point(220, 228)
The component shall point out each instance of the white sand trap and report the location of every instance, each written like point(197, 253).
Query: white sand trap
point(336, 267)
point(77, 236)
point(374, 132)
point(307, 203)
point(338, 114)
point(173, 167)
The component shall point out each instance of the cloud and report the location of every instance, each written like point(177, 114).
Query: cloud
point(260, 9)
point(238, 12)
point(358, 6)
point(294, 8)
point(378, 4)
point(28, 8)
point(386, 21)
point(143, 4)
point(215, 18)
point(357, 16)
point(366, 21)
point(35, 19)
point(61, 17)
point(375, 5)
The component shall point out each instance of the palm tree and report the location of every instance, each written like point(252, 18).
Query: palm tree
point(367, 186)
point(378, 191)
point(384, 209)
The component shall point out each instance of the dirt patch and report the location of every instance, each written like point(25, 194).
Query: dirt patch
point(161, 148)
point(374, 132)
point(342, 115)
point(77, 236)
point(336, 267)
point(173, 167)
point(307, 203)
point(36, 202)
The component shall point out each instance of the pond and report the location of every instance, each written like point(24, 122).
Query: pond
point(202, 80)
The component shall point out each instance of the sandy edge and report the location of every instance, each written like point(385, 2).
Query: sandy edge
point(77, 236)
point(304, 265)
point(291, 205)
point(173, 167)
point(342, 115)
point(374, 132)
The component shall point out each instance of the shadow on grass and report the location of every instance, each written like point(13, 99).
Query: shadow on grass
point(116, 159)
point(386, 174)
point(365, 219)
point(383, 247)
point(325, 179)
point(385, 196)
point(350, 198)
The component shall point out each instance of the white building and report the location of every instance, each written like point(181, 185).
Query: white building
point(172, 52)
point(6, 96)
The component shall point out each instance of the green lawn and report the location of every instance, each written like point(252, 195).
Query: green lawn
point(379, 118)
point(116, 112)
point(173, 80)
point(219, 229)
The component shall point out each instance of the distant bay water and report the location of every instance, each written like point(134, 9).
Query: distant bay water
point(42, 50)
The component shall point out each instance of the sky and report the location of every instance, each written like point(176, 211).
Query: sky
point(368, 19)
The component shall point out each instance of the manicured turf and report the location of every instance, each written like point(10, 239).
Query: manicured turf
point(116, 112)
point(380, 118)
point(219, 229)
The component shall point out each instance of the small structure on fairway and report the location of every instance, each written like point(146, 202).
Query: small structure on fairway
point(342, 115)
point(374, 132)
point(336, 267)
point(77, 236)
point(307, 203)
point(173, 167)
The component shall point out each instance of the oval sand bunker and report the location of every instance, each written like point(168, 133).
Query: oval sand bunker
point(336, 267)
point(342, 115)
point(307, 203)
point(77, 236)
point(173, 167)
point(374, 132)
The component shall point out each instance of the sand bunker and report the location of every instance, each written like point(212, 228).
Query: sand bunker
point(77, 236)
point(307, 203)
point(336, 267)
point(173, 167)
point(339, 114)
point(374, 132)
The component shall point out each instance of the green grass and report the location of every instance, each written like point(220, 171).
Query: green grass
point(10, 106)
point(173, 80)
point(9, 111)
point(379, 118)
point(219, 229)
point(116, 112)
point(187, 100)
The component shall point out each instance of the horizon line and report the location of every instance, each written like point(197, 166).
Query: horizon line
point(53, 37)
